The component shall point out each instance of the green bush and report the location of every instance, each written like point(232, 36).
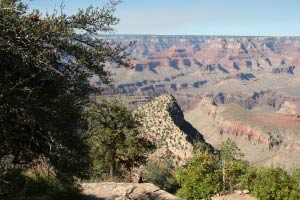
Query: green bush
point(235, 170)
point(274, 184)
point(295, 181)
point(200, 178)
point(205, 174)
point(246, 181)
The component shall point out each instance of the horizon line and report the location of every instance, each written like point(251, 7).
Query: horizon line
point(202, 35)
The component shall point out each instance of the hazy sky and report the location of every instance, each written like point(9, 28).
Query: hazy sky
point(197, 17)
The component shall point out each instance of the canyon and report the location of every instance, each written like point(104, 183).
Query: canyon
point(243, 88)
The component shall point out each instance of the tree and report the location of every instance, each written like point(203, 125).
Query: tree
point(115, 140)
point(200, 178)
point(45, 63)
point(231, 167)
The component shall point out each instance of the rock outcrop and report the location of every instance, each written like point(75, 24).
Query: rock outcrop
point(163, 121)
point(290, 108)
point(124, 191)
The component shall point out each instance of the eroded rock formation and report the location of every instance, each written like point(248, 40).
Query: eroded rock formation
point(163, 120)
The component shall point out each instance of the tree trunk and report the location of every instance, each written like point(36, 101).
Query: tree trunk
point(223, 174)
point(112, 170)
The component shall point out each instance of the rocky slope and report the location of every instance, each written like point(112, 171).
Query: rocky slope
point(163, 121)
point(265, 139)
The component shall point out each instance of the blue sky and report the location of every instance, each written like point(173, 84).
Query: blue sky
point(197, 17)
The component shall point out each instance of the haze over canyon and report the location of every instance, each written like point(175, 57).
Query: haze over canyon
point(243, 88)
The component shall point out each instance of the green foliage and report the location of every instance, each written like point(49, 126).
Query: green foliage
point(204, 176)
point(43, 86)
point(200, 178)
point(229, 151)
point(272, 184)
point(264, 183)
point(115, 140)
point(246, 180)
point(162, 174)
point(295, 184)
point(232, 167)
point(45, 65)
point(234, 171)
point(35, 187)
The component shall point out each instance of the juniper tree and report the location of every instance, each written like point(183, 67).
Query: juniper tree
point(45, 63)
point(116, 141)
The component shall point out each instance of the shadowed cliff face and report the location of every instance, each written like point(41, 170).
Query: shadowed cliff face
point(249, 71)
point(163, 121)
point(265, 139)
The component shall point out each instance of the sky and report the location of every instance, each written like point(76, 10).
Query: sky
point(196, 17)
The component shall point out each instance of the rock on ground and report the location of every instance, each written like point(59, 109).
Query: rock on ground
point(124, 191)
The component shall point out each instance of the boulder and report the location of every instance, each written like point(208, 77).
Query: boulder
point(124, 191)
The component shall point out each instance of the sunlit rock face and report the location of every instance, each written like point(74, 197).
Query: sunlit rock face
point(163, 122)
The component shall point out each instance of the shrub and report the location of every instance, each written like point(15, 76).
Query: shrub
point(200, 178)
point(161, 173)
point(273, 184)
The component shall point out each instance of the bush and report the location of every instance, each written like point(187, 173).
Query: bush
point(235, 170)
point(200, 178)
point(205, 174)
point(246, 181)
point(295, 193)
point(273, 184)
point(161, 173)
